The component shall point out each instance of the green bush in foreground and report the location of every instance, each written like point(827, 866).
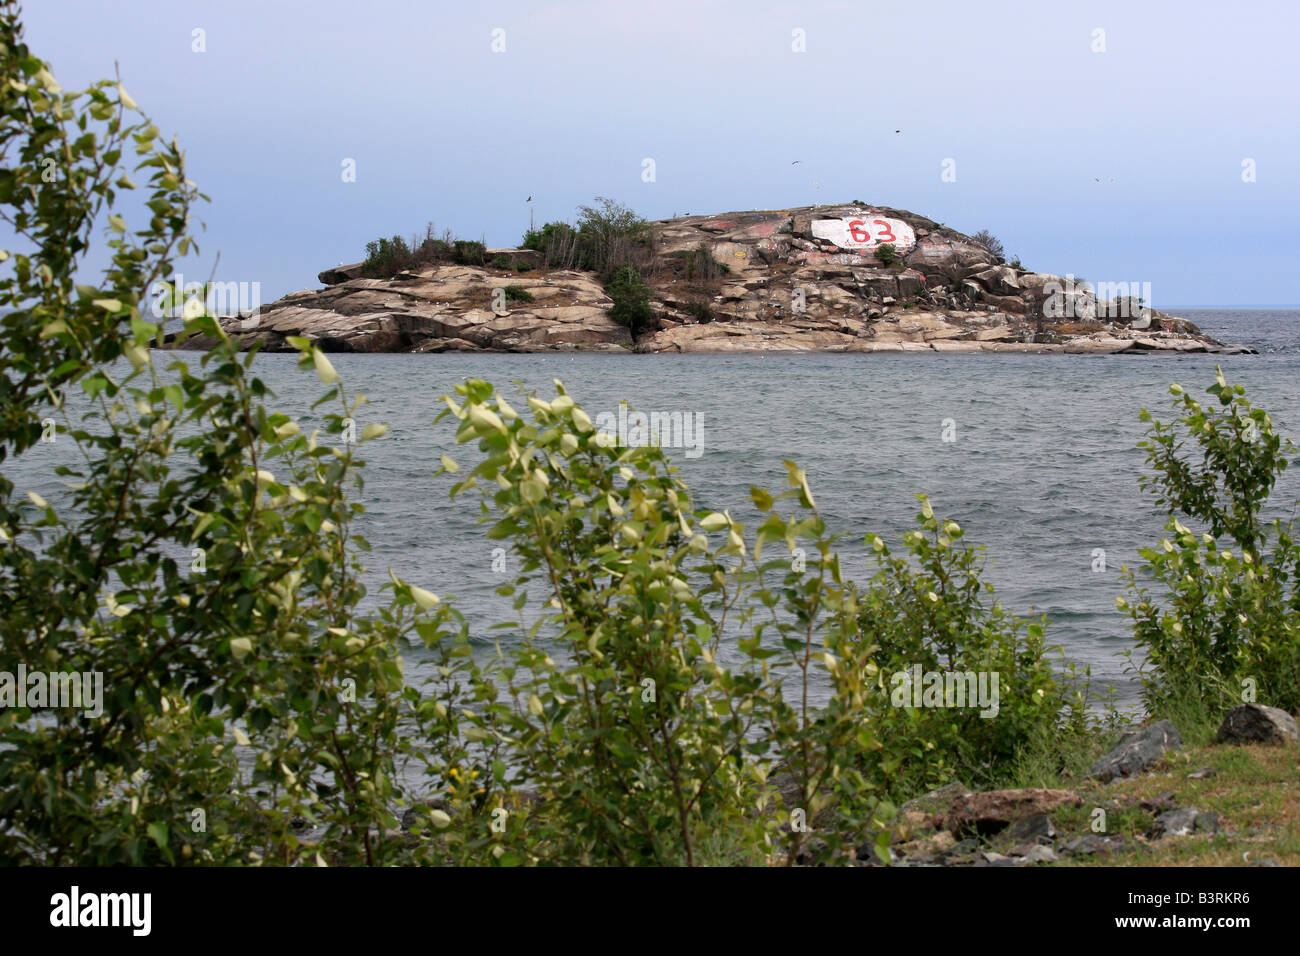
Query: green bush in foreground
point(1227, 626)
point(930, 609)
point(623, 717)
point(198, 558)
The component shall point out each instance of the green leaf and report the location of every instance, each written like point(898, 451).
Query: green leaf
point(158, 833)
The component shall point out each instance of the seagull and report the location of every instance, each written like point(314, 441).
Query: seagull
point(898, 131)
point(529, 199)
point(796, 162)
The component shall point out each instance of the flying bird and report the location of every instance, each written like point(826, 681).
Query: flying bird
point(796, 162)
point(898, 131)
point(529, 199)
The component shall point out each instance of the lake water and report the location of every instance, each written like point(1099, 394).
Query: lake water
point(1042, 471)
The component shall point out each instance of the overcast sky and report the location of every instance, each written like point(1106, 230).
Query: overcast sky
point(719, 96)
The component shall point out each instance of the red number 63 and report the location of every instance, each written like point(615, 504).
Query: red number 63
point(860, 234)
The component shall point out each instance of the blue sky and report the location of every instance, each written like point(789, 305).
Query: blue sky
point(442, 128)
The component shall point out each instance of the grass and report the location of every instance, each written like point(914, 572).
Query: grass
point(1255, 790)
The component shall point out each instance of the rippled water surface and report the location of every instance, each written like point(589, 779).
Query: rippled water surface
point(1043, 470)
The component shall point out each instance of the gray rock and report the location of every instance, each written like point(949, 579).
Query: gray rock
point(341, 274)
point(1091, 843)
point(1035, 829)
point(1000, 280)
point(1255, 723)
point(1136, 751)
point(1203, 774)
point(1041, 854)
point(964, 848)
point(1207, 822)
point(997, 859)
point(1177, 822)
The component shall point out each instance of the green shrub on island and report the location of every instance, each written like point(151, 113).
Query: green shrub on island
point(701, 308)
point(468, 252)
point(701, 266)
point(631, 295)
point(386, 258)
point(606, 237)
point(557, 242)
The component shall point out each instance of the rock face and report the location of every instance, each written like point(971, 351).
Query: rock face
point(446, 307)
point(1136, 751)
point(811, 279)
point(1255, 723)
point(994, 811)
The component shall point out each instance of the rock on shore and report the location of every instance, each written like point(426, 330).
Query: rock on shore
point(793, 280)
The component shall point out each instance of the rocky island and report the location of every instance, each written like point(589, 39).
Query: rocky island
point(845, 278)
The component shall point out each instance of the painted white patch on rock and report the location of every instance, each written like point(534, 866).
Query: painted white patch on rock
point(935, 250)
point(866, 232)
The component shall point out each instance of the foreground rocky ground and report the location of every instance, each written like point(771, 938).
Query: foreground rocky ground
point(794, 280)
point(1148, 802)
